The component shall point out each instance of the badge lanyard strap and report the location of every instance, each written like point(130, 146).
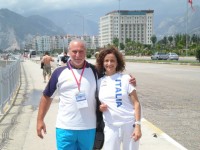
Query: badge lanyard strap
point(78, 82)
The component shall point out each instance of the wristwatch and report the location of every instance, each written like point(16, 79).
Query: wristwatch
point(138, 123)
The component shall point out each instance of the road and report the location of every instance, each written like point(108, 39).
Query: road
point(170, 99)
point(169, 95)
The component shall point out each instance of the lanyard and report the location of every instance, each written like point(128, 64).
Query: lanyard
point(78, 82)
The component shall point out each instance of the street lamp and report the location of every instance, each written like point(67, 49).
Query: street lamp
point(63, 44)
point(119, 35)
point(83, 17)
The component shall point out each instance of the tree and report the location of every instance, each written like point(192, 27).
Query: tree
point(164, 41)
point(122, 46)
point(116, 42)
point(198, 54)
point(194, 38)
point(153, 39)
point(170, 39)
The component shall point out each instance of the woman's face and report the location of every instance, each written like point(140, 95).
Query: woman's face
point(110, 64)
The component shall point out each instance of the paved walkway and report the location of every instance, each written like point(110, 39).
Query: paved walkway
point(18, 128)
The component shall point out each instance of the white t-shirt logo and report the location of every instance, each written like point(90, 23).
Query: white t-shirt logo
point(118, 92)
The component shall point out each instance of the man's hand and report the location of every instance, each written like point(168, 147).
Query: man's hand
point(103, 107)
point(45, 103)
point(41, 127)
point(132, 80)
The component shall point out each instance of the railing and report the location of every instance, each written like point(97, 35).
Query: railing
point(9, 82)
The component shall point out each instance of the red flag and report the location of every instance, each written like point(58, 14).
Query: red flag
point(190, 1)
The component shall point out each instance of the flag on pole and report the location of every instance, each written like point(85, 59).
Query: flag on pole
point(190, 1)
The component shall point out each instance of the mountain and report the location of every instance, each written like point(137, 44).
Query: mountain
point(172, 26)
point(73, 22)
point(15, 28)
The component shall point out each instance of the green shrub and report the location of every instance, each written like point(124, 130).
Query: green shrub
point(89, 56)
point(198, 54)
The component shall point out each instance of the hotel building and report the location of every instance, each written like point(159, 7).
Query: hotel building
point(136, 25)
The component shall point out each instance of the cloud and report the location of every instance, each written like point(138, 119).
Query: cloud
point(48, 4)
point(31, 6)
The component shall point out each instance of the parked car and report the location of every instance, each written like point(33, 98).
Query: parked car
point(173, 56)
point(159, 56)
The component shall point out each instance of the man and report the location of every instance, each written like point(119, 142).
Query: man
point(65, 58)
point(62, 59)
point(76, 120)
point(76, 85)
point(46, 59)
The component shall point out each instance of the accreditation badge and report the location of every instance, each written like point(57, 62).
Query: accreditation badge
point(81, 100)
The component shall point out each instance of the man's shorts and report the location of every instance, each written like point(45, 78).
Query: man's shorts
point(75, 139)
point(47, 70)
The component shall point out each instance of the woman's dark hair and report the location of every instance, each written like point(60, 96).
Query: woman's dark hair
point(102, 55)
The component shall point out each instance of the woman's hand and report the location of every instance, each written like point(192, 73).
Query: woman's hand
point(103, 107)
point(137, 134)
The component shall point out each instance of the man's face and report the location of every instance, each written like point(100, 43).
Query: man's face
point(77, 54)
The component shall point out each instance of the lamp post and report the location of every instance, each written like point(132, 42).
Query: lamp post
point(63, 44)
point(67, 43)
point(83, 17)
point(119, 20)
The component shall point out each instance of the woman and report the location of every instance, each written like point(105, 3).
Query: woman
point(119, 103)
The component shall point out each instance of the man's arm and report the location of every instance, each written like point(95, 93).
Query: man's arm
point(52, 59)
point(42, 60)
point(45, 103)
point(132, 80)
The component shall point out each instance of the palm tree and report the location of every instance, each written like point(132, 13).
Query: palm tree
point(153, 39)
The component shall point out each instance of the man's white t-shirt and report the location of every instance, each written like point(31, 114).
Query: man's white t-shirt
point(114, 91)
point(63, 84)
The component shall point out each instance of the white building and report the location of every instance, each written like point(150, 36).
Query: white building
point(41, 43)
point(136, 25)
point(48, 43)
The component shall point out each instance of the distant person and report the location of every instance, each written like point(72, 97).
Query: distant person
point(46, 59)
point(119, 103)
point(65, 58)
point(59, 57)
point(25, 55)
point(96, 55)
point(62, 59)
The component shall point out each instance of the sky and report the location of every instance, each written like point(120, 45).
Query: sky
point(162, 8)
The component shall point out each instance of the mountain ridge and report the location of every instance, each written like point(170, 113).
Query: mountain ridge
point(188, 23)
point(15, 28)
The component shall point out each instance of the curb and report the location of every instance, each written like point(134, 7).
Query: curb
point(162, 134)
